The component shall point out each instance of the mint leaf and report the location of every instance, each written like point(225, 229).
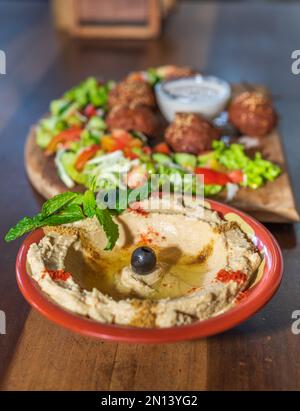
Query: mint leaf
point(23, 226)
point(70, 214)
point(110, 228)
point(78, 200)
point(89, 204)
point(57, 202)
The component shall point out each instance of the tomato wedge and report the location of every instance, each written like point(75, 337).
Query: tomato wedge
point(121, 140)
point(236, 176)
point(85, 156)
point(162, 148)
point(128, 153)
point(213, 176)
point(147, 150)
point(90, 110)
point(108, 143)
point(66, 136)
point(122, 137)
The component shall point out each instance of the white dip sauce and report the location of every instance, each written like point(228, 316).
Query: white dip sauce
point(205, 95)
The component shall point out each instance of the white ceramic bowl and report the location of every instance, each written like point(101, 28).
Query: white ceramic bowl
point(205, 95)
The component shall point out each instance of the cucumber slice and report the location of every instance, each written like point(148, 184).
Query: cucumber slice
point(185, 160)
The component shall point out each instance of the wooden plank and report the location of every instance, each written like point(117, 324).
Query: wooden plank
point(274, 202)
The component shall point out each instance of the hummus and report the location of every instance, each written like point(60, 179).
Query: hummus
point(203, 263)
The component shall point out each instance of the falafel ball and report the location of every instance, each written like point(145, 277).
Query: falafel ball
point(138, 118)
point(132, 94)
point(253, 114)
point(190, 133)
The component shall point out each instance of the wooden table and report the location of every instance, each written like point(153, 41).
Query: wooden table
point(247, 41)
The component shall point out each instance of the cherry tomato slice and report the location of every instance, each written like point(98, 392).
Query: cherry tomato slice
point(66, 136)
point(162, 148)
point(213, 176)
point(236, 176)
point(85, 156)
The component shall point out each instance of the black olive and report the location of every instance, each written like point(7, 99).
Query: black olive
point(143, 260)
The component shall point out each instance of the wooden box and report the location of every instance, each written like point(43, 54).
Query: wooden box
point(115, 19)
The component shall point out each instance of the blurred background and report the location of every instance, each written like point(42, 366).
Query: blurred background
point(51, 45)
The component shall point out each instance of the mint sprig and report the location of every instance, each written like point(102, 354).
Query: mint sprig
point(67, 208)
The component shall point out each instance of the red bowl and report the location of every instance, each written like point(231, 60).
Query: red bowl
point(256, 297)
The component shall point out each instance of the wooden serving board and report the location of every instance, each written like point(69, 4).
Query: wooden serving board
point(274, 202)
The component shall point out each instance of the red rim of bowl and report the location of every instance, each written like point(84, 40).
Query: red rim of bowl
point(256, 298)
